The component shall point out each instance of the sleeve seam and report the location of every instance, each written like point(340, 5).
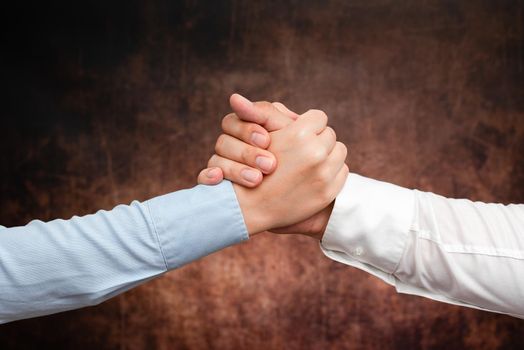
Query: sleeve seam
point(445, 297)
point(157, 236)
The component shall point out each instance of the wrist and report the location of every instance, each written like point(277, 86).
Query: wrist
point(255, 219)
point(322, 221)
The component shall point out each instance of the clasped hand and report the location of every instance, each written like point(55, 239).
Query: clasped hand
point(286, 168)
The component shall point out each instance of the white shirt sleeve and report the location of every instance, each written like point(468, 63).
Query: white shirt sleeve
point(451, 250)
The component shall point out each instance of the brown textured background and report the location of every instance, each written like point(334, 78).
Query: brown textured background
point(106, 102)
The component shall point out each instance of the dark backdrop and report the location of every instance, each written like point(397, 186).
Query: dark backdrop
point(104, 102)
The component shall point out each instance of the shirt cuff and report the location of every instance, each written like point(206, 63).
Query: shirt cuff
point(370, 224)
point(196, 222)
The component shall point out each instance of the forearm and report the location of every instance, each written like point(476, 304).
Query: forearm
point(67, 264)
point(450, 250)
point(469, 252)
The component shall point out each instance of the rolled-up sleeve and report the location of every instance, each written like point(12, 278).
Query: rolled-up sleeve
point(48, 267)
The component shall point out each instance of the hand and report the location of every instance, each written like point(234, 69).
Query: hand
point(273, 116)
point(314, 226)
point(310, 174)
point(240, 154)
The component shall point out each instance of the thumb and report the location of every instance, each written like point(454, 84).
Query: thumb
point(262, 113)
point(210, 176)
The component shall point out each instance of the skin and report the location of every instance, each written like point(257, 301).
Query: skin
point(241, 149)
point(289, 138)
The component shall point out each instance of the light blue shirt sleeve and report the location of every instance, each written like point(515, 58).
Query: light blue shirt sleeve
point(67, 264)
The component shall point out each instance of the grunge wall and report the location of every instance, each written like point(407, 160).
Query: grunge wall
point(105, 102)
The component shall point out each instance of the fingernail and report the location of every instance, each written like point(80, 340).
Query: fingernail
point(212, 173)
point(264, 163)
point(259, 139)
point(250, 175)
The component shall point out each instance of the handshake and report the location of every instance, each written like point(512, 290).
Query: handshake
point(286, 168)
point(286, 171)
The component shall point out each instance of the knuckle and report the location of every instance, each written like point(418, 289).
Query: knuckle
point(220, 143)
point(212, 161)
point(247, 155)
point(227, 121)
point(320, 114)
point(264, 105)
point(332, 132)
point(325, 194)
point(343, 148)
point(302, 134)
point(281, 108)
point(318, 155)
point(324, 175)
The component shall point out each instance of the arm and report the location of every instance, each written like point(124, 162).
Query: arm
point(455, 251)
point(67, 264)
point(236, 152)
point(451, 250)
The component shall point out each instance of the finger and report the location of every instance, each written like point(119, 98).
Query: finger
point(336, 159)
point(245, 109)
point(339, 181)
point(262, 113)
point(236, 172)
point(285, 110)
point(328, 139)
point(313, 120)
point(248, 132)
point(231, 148)
point(210, 176)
